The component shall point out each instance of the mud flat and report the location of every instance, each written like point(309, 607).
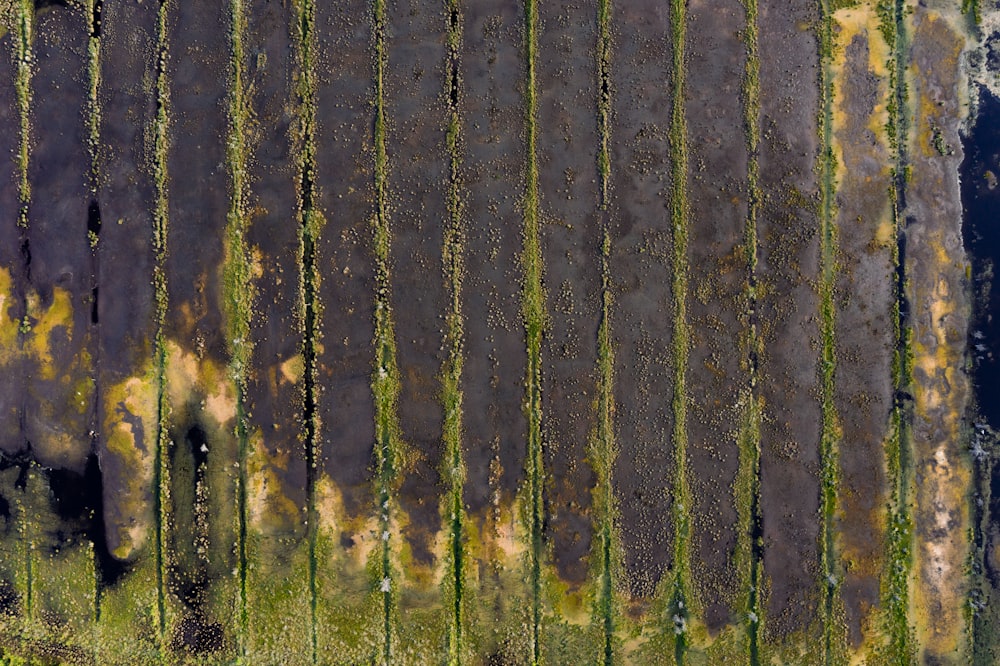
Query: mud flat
point(718, 375)
point(348, 607)
point(640, 279)
point(126, 375)
point(936, 267)
point(864, 298)
point(418, 172)
point(571, 237)
point(788, 376)
point(200, 398)
point(276, 587)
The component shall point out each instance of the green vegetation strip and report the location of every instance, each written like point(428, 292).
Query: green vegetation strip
point(385, 382)
point(605, 451)
point(308, 232)
point(161, 479)
point(454, 267)
point(533, 311)
point(25, 69)
point(748, 555)
point(238, 294)
point(829, 457)
point(895, 591)
point(680, 604)
point(94, 84)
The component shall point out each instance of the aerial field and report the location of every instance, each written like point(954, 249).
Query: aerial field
point(498, 333)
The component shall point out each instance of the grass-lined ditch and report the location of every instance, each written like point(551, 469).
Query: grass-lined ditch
point(680, 603)
point(895, 588)
point(453, 265)
point(746, 489)
point(831, 576)
point(533, 313)
point(608, 538)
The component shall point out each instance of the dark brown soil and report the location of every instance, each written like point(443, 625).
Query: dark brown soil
point(344, 259)
point(57, 233)
point(200, 551)
point(571, 256)
point(274, 397)
point(864, 336)
point(642, 317)
point(493, 175)
point(125, 256)
point(788, 270)
point(718, 312)
point(417, 118)
point(11, 257)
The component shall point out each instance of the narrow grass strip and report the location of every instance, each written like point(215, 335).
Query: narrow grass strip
point(308, 231)
point(453, 261)
point(385, 382)
point(161, 479)
point(749, 560)
point(895, 590)
point(25, 70)
point(238, 293)
point(533, 311)
point(606, 451)
point(680, 605)
point(93, 9)
point(829, 439)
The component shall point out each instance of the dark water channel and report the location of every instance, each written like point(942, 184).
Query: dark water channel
point(980, 173)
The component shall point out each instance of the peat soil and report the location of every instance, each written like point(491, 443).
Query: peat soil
point(643, 308)
point(12, 262)
point(864, 335)
point(60, 345)
point(937, 289)
point(495, 425)
point(59, 407)
point(718, 374)
point(571, 237)
point(343, 192)
point(275, 460)
point(201, 444)
point(788, 309)
point(493, 173)
point(417, 117)
point(126, 198)
point(344, 261)
point(12, 273)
